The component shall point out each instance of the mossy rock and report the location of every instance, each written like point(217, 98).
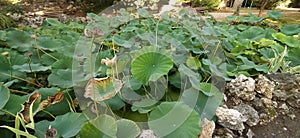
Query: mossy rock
point(6, 22)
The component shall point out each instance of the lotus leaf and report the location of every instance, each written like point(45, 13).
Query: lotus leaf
point(150, 63)
point(99, 89)
point(174, 119)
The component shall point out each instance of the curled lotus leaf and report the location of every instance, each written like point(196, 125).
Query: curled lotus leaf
point(100, 89)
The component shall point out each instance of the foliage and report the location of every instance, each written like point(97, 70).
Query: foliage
point(6, 22)
point(8, 7)
point(209, 4)
point(159, 70)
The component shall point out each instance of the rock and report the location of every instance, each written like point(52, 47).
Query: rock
point(147, 134)
point(230, 118)
point(280, 95)
point(268, 115)
point(242, 87)
point(267, 102)
point(249, 113)
point(257, 104)
point(250, 134)
point(224, 133)
point(264, 86)
point(294, 100)
point(208, 128)
point(282, 77)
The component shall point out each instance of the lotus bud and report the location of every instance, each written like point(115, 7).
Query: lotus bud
point(6, 54)
point(109, 62)
point(33, 36)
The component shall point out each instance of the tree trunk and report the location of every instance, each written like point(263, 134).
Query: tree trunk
point(237, 3)
point(262, 7)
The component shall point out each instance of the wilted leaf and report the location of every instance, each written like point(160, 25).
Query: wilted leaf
point(99, 89)
point(51, 100)
point(25, 112)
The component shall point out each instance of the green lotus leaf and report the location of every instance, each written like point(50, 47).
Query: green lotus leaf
point(55, 23)
point(247, 64)
point(252, 33)
point(150, 63)
point(175, 79)
point(288, 40)
point(293, 56)
point(61, 78)
point(193, 77)
point(20, 40)
point(5, 94)
point(115, 103)
point(49, 43)
point(291, 29)
point(103, 126)
point(41, 128)
point(88, 130)
point(275, 15)
point(251, 18)
point(242, 27)
point(174, 119)
point(127, 129)
point(31, 68)
point(69, 124)
point(143, 106)
point(205, 102)
point(99, 89)
point(15, 59)
point(14, 103)
point(143, 13)
point(232, 18)
point(193, 63)
point(2, 35)
point(65, 63)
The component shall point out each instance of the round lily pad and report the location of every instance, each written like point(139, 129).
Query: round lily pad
point(150, 63)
